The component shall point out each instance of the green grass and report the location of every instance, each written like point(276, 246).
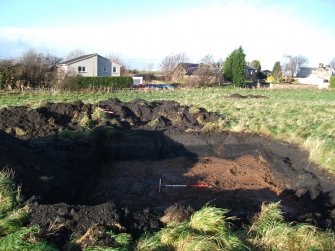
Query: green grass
point(14, 235)
point(271, 232)
point(305, 117)
point(207, 229)
point(210, 229)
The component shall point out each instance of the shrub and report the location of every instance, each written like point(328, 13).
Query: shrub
point(332, 82)
point(69, 83)
point(105, 82)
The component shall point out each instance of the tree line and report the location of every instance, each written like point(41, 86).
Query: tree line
point(32, 69)
point(233, 69)
point(38, 70)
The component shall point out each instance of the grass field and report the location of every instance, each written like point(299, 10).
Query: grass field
point(305, 117)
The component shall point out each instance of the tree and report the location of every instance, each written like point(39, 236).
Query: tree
point(170, 63)
point(37, 69)
point(227, 69)
point(234, 68)
point(239, 67)
point(292, 64)
point(205, 71)
point(256, 64)
point(113, 57)
point(277, 72)
point(32, 69)
point(74, 54)
point(8, 73)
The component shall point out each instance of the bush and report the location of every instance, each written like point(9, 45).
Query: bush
point(332, 82)
point(105, 82)
point(69, 84)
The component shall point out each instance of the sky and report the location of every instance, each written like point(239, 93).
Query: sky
point(143, 32)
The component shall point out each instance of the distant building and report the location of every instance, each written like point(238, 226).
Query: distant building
point(267, 73)
point(137, 80)
point(319, 76)
point(250, 73)
point(91, 65)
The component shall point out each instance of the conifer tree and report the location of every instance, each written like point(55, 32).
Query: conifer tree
point(277, 71)
point(234, 67)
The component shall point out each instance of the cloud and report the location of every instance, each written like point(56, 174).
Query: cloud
point(266, 32)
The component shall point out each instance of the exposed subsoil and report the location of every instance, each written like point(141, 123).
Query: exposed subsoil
point(110, 177)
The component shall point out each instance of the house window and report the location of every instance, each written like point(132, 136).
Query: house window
point(81, 68)
point(105, 69)
point(114, 69)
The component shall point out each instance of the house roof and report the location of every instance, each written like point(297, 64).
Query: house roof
point(248, 67)
point(77, 59)
point(190, 68)
point(304, 72)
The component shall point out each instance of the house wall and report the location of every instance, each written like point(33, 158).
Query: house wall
point(96, 66)
point(62, 70)
point(315, 81)
point(118, 69)
point(91, 65)
point(104, 67)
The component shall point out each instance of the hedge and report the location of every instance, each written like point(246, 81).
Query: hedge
point(332, 82)
point(105, 82)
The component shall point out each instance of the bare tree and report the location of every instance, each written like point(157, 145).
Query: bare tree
point(205, 71)
point(8, 73)
point(37, 69)
point(74, 54)
point(32, 69)
point(114, 57)
point(170, 63)
point(292, 64)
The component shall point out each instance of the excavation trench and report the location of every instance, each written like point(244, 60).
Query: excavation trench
point(112, 176)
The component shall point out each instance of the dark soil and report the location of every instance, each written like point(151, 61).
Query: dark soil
point(239, 96)
point(110, 177)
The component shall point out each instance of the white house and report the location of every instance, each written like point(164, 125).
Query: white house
point(91, 65)
point(315, 76)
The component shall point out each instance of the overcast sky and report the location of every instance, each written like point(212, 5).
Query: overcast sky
point(142, 32)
